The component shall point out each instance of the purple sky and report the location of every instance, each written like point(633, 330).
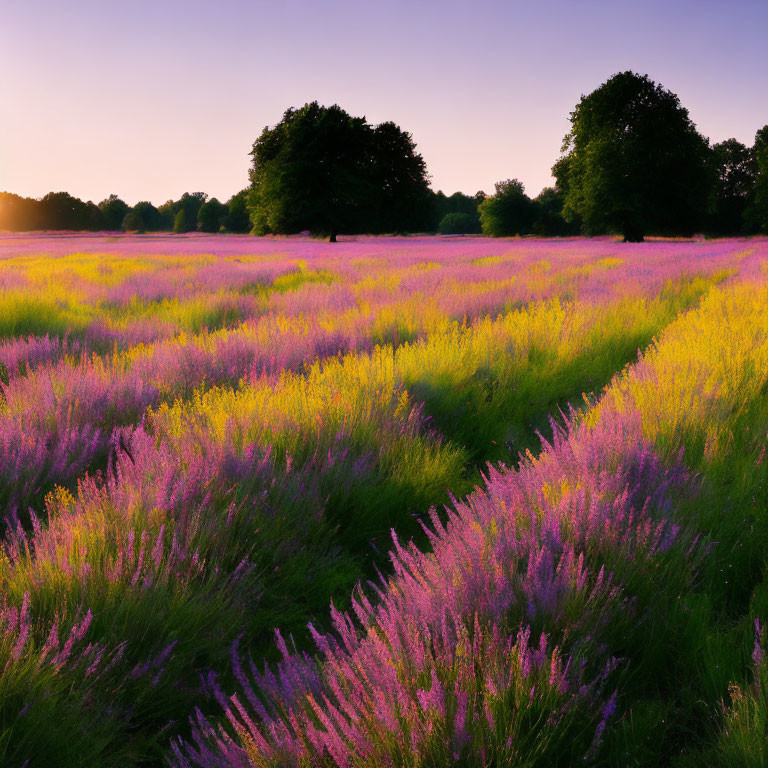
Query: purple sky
point(151, 99)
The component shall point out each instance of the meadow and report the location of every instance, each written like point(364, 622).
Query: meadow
point(385, 502)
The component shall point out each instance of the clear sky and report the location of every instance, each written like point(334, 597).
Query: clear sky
point(153, 98)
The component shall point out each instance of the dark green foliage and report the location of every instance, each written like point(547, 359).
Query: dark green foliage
point(549, 221)
point(62, 211)
point(134, 222)
point(59, 210)
point(401, 198)
point(457, 224)
point(94, 219)
point(211, 216)
point(322, 170)
point(457, 203)
point(113, 211)
point(237, 218)
point(735, 172)
point(190, 203)
point(756, 214)
point(509, 212)
point(180, 222)
point(309, 173)
point(147, 214)
point(633, 162)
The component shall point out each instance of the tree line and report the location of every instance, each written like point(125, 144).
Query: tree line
point(632, 163)
point(62, 211)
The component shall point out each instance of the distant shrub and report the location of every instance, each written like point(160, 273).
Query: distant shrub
point(211, 216)
point(149, 216)
point(458, 224)
point(113, 212)
point(509, 212)
point(180, 222)
point(237, 218)
point(134, 222)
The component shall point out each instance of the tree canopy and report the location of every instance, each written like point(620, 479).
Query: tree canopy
point(508, 212)
point(19, 214)
point(210, 217)
point(457, 203)
point(113, 212)
point(134, 222)
point(457, 224)
point(549, 219)
point(633, 162)
point(757, 211)
point(323, 170)
point(60, 210)
point(237, 218)
point(180, 223)
point(400, 192)
point(189, 203)
point(147, 216)
point(734, 171)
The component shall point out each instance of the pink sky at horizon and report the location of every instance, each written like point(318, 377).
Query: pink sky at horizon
point(154, 99)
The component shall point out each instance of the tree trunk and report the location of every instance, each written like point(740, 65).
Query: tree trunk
point(332, 238)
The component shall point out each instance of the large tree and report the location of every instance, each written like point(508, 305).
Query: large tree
point(322, 170)
point(633, 162)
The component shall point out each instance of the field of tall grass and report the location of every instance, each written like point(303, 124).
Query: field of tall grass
point(388, 502)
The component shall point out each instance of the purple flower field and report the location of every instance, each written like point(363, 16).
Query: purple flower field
point(415, 501)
